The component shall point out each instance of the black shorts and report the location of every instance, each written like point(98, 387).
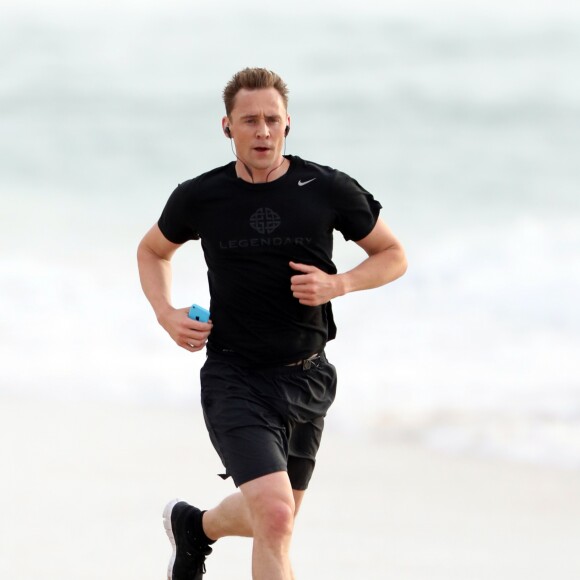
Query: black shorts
point(261, 421)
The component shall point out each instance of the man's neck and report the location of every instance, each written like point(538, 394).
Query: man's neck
point(272, 173)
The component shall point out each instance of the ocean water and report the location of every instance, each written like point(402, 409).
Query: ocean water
point(462, 119)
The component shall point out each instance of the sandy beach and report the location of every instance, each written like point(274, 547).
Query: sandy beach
point(84, 486)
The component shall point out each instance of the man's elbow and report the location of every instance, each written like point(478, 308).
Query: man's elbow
point(402, 263)
point(398, 264)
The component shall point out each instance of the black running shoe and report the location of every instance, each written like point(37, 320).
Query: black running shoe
point(188, 558)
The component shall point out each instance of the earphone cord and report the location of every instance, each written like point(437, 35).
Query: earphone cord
point(245, 166)
point(283, 159)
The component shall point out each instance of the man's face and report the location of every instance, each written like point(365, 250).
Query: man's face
point(257, 124)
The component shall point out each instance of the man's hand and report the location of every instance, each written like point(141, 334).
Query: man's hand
point(313, 286)
point(187, 333)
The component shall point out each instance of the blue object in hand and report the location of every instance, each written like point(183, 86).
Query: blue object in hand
point(198, 313)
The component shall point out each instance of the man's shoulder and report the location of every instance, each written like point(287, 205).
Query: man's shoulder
point(208, 179)
point(313, 167)
point(325, 175)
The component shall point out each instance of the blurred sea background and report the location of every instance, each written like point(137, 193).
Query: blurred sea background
point(463, 118)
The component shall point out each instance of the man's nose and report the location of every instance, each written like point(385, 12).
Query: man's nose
point(262, 129)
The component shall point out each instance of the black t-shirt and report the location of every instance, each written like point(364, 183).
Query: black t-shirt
point(249, 233)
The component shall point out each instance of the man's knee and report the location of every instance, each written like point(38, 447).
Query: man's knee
point(271, 503)
point(274, 518)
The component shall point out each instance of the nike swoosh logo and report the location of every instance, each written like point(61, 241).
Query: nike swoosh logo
point(301, 183)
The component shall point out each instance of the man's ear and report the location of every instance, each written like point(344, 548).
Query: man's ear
point(226, 127)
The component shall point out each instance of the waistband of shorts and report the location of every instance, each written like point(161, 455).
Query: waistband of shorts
point(305, 363)
point(235, 359)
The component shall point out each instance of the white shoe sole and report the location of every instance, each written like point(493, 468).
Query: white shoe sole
point(169, 531)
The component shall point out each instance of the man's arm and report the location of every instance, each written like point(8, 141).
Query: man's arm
point(154, 259)
point(386, 262)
